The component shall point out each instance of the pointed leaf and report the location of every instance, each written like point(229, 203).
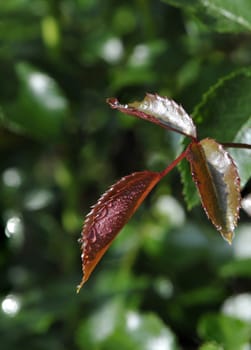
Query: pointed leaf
point(110, 214)
point(161, 111)
point(227, 101)
point(218, 183)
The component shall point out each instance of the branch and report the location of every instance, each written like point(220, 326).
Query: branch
point(236, 145)
point(175, 162)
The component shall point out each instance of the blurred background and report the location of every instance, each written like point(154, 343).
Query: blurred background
point(169, 280)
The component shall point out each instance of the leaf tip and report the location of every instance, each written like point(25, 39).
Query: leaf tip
point(80, 285)
point(228, 236)
point(112, 102)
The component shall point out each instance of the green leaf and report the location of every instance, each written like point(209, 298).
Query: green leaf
point(189, 189)
point(217, 180)
point(40, 109)
point(236, 268)
point(20, 20)
point(226, 103)
point(211, 346)
point(231, 333)
point(242, 156)
point(220, 15)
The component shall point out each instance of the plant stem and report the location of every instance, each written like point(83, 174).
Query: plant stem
point(175, 162)
point(236, 145)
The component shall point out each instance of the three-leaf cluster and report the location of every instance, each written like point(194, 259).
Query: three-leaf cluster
point(213, 171)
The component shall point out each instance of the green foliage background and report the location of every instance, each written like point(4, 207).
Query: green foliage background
point(168, 278)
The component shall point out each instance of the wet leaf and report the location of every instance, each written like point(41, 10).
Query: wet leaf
point(110, 214)
point(218, 183)
point(161, 111)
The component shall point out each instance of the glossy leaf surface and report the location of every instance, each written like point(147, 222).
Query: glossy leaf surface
point(110, 214)
point(217, 180)
point(226, 102)
point(161, 111)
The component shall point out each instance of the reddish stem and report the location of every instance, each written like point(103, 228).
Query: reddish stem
point(236, 145)
point(175, 162)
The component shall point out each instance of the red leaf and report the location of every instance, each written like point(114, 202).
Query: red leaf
point(110, 214)
point(218, 183)
point(161, 111)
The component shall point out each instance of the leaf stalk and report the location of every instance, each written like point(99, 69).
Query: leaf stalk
point(175, 162)
point(236, 145)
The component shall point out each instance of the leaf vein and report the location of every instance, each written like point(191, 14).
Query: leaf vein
point(227, 14)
